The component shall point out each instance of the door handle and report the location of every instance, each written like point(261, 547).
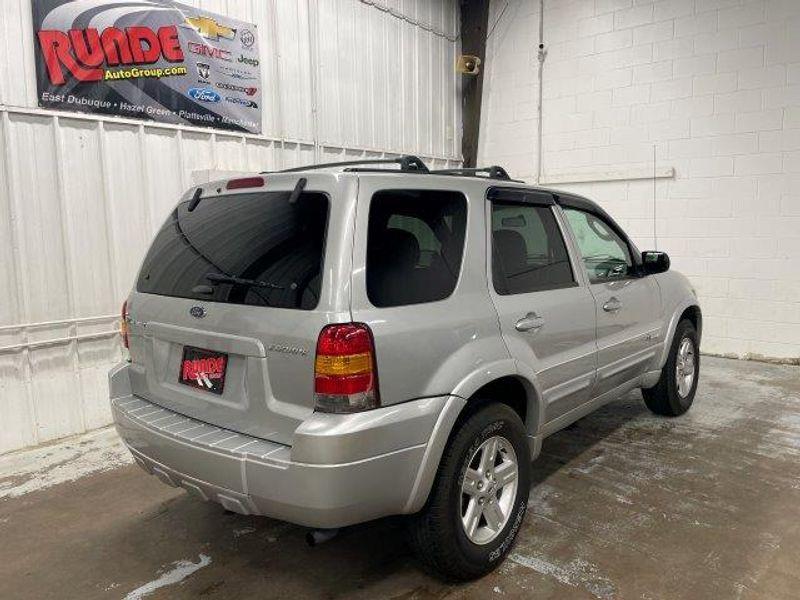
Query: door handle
point(613, 305)
point(530, 322)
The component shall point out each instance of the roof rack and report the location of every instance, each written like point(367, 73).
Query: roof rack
point(493, 172)
point(408, 164)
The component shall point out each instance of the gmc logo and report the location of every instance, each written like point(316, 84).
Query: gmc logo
point(209, 51)
point(83, 51)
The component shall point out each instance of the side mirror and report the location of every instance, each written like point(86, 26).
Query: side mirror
point(654, 262)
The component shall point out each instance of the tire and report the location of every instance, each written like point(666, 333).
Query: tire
point(437, 532)
point(665, 398)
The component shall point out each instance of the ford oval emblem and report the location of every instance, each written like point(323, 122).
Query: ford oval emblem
point(198, 312)
point(203, 95)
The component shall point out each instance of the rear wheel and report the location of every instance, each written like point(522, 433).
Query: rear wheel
point(674, 393)
point(479, 497)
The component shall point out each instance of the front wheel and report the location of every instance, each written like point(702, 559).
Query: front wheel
point(674, 393)
point(479, 498)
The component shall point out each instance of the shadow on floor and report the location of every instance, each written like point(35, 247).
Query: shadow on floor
point(568, 444)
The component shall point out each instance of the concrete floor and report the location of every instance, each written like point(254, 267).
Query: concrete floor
point(624, 505)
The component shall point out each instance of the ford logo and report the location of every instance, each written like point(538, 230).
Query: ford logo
point(198, 312)
point(203, 95)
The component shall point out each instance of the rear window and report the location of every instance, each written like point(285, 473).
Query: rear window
point(414, 246)
point(255, 249)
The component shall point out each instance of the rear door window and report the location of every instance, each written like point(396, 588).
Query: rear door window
point(528, 250)
point(256, 248)
point(415, 243)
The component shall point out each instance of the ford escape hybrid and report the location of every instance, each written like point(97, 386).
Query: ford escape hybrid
point(333, 344)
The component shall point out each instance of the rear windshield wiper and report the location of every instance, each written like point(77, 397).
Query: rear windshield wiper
point(220, 278)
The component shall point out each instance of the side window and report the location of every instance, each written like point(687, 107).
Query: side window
point(605, 254)
point(528, 251)
point(415, 241)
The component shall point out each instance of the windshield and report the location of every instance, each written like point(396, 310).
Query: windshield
point(256, 249)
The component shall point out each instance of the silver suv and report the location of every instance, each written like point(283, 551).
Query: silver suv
point(342, 342)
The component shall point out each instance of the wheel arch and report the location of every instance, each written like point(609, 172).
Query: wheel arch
point(501, 382)
point(512, 390)
point(695, 315)
point(508, 382)
point(688, 310)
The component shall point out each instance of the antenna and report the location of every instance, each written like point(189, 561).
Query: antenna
point(655, 233)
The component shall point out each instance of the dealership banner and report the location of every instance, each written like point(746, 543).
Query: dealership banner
point(148, 59)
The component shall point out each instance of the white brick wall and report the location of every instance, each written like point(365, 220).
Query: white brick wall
point(714, 85)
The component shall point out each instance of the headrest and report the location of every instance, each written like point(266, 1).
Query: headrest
point(512, 251)
point(400, 247)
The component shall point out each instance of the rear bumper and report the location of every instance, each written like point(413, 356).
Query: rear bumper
point(340, 470)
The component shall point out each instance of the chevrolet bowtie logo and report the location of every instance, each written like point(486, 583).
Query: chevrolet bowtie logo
point(210, 29)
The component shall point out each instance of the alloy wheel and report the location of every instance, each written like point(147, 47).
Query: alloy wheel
point(489, 489)
point(685, 367)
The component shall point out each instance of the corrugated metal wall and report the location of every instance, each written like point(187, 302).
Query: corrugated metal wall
point(81, 196)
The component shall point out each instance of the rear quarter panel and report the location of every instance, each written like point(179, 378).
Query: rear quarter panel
point(430, 349)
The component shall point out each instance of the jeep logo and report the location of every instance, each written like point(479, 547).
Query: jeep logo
point(253, 62)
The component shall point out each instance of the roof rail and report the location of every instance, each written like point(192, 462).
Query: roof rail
point(493, 172)
point(408, 164)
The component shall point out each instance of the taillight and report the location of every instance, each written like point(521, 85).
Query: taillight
point(345, 373)
point(123, 325)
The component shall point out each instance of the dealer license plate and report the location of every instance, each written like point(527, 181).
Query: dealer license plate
point(203, 369)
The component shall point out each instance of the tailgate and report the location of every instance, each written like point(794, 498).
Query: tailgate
point(269, 372)
point(232, 353)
